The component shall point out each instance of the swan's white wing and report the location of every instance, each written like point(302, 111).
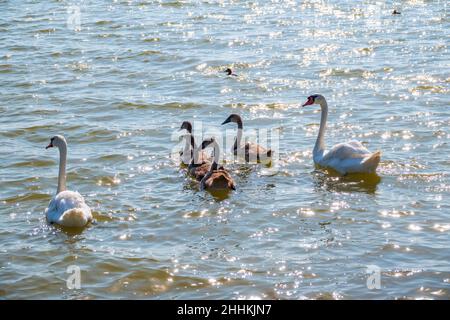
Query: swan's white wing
point(358, 145)
point(51, 207)
point(69, 200)
point(342, 151)
point(68, 208)
point(350, 157)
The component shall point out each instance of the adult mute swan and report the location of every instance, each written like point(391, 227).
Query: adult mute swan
point(349, 157)
point(67, 208)
point(251, 151)
point(216, 178)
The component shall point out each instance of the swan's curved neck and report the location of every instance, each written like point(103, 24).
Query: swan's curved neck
point(195, 152)
point(237, 142)
point(320, 143)
point(216, 156)
point(62, 168)
point(187, 147)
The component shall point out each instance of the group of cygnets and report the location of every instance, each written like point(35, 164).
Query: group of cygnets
point(69, 209)
point(205, 168)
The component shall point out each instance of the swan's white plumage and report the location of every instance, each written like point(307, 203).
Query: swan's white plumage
point(342, 151)
point(68, 209)
point(347, 157)
point(345, 160)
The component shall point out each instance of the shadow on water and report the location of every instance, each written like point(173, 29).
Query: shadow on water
point(241, 171)
point(71, 231)
point(220, 195)
point(332, 181)
point(190, 184)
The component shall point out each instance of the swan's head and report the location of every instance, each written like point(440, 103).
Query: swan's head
point(233, 118)
point(187, 126)
point(314, 99)
point(57, 141)
point(207, 142)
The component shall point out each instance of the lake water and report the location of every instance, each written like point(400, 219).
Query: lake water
point(117, 78)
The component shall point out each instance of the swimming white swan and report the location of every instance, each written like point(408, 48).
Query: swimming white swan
point(349, 157)
point(67, 208)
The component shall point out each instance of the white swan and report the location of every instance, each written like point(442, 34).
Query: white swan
point(67, 208)
point(349, 157)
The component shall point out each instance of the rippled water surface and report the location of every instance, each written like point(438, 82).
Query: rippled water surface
point(119, 83)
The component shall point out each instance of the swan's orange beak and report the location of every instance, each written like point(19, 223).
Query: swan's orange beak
point(309, 102)
point(49, 146)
